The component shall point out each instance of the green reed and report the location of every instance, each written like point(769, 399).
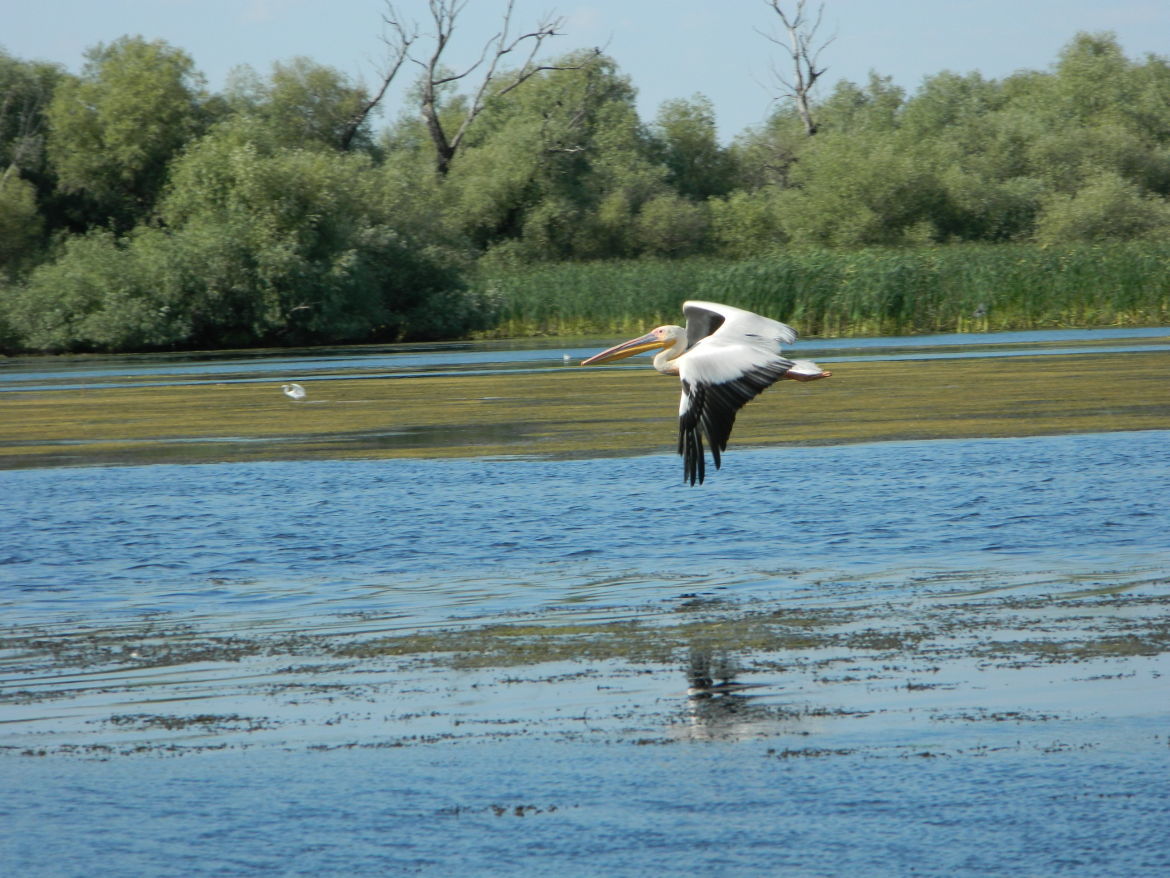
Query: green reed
point(959, 288)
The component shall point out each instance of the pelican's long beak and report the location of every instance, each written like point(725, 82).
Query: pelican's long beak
point(639, 345)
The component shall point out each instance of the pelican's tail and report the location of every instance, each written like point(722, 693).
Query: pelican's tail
point(805, 367)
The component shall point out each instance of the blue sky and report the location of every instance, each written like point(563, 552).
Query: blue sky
point(668, 48)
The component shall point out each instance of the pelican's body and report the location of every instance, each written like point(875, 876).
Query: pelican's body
point(293, 391)
point(725, 358)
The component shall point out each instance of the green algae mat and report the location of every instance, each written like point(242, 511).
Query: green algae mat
point(576, 412)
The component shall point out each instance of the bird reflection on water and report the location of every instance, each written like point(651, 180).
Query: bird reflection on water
point(720, 707)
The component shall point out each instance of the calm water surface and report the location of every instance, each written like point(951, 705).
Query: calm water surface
point(479, 358)
point(960, 766)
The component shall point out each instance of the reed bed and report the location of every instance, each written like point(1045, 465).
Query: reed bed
point(959, 288)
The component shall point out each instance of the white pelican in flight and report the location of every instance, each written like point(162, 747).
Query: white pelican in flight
point(293, 391)
point(725, 357)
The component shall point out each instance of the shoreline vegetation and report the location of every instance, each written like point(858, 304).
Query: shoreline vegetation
point(141, 213)
point(828, 293)
point(823, 293)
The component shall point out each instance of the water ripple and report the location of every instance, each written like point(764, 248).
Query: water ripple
point(411, 535)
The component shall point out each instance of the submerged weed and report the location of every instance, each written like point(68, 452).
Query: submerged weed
point(578, 413)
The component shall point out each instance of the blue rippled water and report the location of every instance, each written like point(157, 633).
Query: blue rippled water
point(1030, 742)
point(431, 539)
point(489, 810)
point(895, 766)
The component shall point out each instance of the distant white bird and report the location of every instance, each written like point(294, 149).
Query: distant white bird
point(293, 391)
point(725, 357)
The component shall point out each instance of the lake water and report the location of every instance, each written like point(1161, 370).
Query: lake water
point(430, 540)
point(983, 689)
point(478, 358)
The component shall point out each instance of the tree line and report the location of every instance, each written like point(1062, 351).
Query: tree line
point(140, 211)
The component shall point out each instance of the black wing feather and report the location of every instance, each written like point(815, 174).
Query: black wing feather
point(690, 443)
point(700, 324)
point(711, 413)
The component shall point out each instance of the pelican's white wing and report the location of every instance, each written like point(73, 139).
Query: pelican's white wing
point(736, 358)
point(707, 318)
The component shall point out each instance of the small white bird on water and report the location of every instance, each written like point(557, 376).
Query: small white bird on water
point(725, 357)
point(293, 391)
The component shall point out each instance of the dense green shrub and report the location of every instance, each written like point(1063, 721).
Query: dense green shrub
point(96, 297)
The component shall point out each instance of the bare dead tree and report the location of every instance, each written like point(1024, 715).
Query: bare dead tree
point(445, 15)
point(399, 51)
point(799, 42)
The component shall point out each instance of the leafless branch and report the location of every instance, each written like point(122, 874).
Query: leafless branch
point(399, 51)
point(445, 15)
point(799, 43)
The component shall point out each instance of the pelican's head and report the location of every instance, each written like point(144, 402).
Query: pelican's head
point(664, 338)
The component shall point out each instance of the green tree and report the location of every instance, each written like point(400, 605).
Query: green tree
point(1106, 208)
point(764, 156)
point(256, 245)
point(1093, 81)
point(872, 109)
point(686, 137)
point(979, 147)
point(1148, 111)
point(852, 191)
point(287, 238)
point(114, 129)
point(309, 245)
point(948, 105)
point(26, 88)
point(559, 170)
point(20, 222)
point(95, 297)
point(747, 223)
point(302, 103)
point(968, 159)
point(670, 225)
